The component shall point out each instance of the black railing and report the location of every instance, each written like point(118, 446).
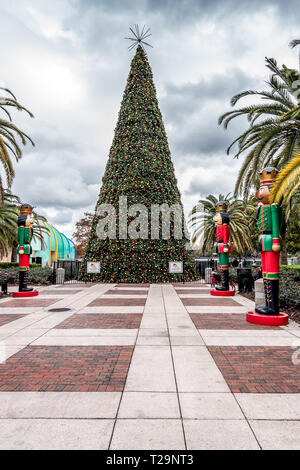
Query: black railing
point(71, 268)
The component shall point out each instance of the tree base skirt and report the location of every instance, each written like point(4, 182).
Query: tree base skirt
point(32, 293)
point(222, 293)
point(271, 320)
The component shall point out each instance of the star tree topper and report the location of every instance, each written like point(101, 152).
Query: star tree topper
point(139, 37)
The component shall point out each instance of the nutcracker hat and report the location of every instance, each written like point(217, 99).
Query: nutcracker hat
point(221, 206)
point(26, 209)
point(268, 175)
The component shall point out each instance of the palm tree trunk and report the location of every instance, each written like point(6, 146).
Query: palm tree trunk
point(14, 254)
point(283, 254)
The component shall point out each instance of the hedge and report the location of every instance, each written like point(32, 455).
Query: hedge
point(37, 275)
point(291, 267)
point(16, 265)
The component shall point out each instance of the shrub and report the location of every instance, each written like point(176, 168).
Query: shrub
point(7, 276)
point(40, 275)
point(16, 265)
point(289, 292)
point(292, 267)
point(36, 275)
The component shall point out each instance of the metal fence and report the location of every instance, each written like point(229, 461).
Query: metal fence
point(71, 268)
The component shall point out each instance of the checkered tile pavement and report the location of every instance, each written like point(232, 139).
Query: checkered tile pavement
point(139, 366)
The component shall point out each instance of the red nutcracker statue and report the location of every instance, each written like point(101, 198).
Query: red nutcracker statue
point(24, 250)
point(222, 220)
point(269, 220)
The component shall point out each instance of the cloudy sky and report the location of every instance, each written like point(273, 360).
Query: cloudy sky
point(67, 61)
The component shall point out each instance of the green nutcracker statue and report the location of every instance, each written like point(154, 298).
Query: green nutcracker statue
point(24, 250)
point(269, 220)
point(222, 221)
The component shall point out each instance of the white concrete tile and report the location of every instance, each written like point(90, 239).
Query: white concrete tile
point(209, 406)
point(144, 405)
point(111, 309)
point(19, 340)
point(58, 434)
point(219, 435)
point(186, 341)
point(154, 321)
point(28, 331)
point(248, 341)
point(59, 404)
point(151, 370)
point(277, 435)
point(7, 351)
point(196, 371)
point(153, 332)
point(205, 333)
point(84, 341)
point(148, 434)
point(152, 341)
point(127, 297)
point(270, 406)
point(52, 320)
point(23, 310)
point(194, 296)
point(184, 331)
point(182, 322)
point(212, 309)
point(295, 332)
point(65, 332)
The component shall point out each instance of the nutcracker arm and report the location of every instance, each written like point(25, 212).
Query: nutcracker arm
point(225, 234)
point(21, 237)
point(275, 228)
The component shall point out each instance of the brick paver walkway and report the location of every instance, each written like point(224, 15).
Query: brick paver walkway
point(139, 366)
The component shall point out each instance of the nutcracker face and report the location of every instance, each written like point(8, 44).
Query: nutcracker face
point(218, 219)
point(262, 195)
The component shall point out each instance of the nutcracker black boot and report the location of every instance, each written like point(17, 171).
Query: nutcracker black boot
point(224, 280)
point(23, 276)
point(272, 298)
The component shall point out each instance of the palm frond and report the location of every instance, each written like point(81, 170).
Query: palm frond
point(287, 181)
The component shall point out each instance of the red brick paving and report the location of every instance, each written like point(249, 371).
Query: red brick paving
point(117, 302)
point(257, 369)
point(226, 321)
point(67, 368)
point(86, 320)
point(126, 292)
point(4, 319)
point(35, 302)
point(214, 302)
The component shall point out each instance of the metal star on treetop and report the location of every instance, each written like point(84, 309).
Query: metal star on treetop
point(139, 37)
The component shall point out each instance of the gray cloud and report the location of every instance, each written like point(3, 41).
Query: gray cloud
point(67, 61)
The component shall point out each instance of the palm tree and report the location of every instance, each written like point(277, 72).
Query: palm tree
point(287, 182)
point(273, 135)
point(201, 221)
point(8, 221)
point(9, 133)
point(294, 43)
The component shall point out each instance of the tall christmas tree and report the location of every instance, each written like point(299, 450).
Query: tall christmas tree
point(139, 168)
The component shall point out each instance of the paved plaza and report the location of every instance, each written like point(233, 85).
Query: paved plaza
point(133, 366)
